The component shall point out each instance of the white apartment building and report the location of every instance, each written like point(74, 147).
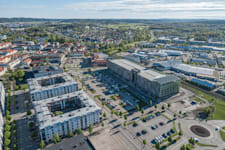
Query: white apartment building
point(2, 112)
point(2, 98)
point(78, 111)
point(51, 86)
point(1, 130)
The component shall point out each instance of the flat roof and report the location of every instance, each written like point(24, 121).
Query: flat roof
point(148, 74)
point(34, 86)
point(127, 64)
point(78, 142)
point(197, 70)
point(45, 116)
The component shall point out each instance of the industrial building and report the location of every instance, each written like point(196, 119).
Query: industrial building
point(51, 86)
point(77, 111)
point(154, 84)
point(200, 72)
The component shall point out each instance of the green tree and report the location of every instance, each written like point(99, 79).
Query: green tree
point(7, 127)
point(7, 134)
point(29, 112)
point(163, 107)
point(104, 115)
point(33, 134)
point(157, 146)
point(150, 102)
point(174, 115)
point(170, 139)
point(112, 112)
point(169, 105)
point(31, 125)
point(124, 123)
point(183, 147)
point(79, 131)
point(102, 124)
point(144, 142)
point(56, 138)
point(20, 74)
point(155, 106)
point(15, 147)
point(180, 112)
point(180, 133)
point(90, 129)
point(142, 111)
point(137, 107)
point(42, 144)
point(191, 141)
point(125, 117)
point(121, 113)
point(70, 133)
point(7, 142)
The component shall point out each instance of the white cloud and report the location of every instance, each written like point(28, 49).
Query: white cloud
point(145, 5)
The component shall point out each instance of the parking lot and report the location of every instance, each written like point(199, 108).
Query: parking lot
point(152, 127)
point(112, 91)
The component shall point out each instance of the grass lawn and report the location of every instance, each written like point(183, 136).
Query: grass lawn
point(198, 99)
point(219, 113)
point(222, 134)
point(165, 116)
point(190, 146)
point(206, 145)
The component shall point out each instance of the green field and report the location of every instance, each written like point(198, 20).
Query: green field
point(219, 113)
point(198, 99)
point(206, 145)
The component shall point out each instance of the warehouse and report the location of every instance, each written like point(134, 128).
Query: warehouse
point(65, 113)
point(203, 73)
point(156, 85)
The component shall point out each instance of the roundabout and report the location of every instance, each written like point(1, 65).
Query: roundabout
point(200, 131)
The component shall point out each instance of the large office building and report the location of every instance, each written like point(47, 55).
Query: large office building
point(154, 84)
point(51, 86)
point(65, 113)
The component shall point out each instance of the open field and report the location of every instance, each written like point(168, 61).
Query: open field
point(219, 113)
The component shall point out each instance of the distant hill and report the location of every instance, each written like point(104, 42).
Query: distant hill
point(4, 20)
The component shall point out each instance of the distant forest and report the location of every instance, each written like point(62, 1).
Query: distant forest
point(146, 21)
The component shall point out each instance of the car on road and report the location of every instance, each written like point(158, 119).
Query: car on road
point(164, 135)
point(135, 124)
point(161, 123)
point(154, 127)
point(144, 132)
point(157, 113)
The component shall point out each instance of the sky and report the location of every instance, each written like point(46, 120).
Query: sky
point(114, 9)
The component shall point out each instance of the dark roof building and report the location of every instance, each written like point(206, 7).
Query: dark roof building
point(79, 142)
